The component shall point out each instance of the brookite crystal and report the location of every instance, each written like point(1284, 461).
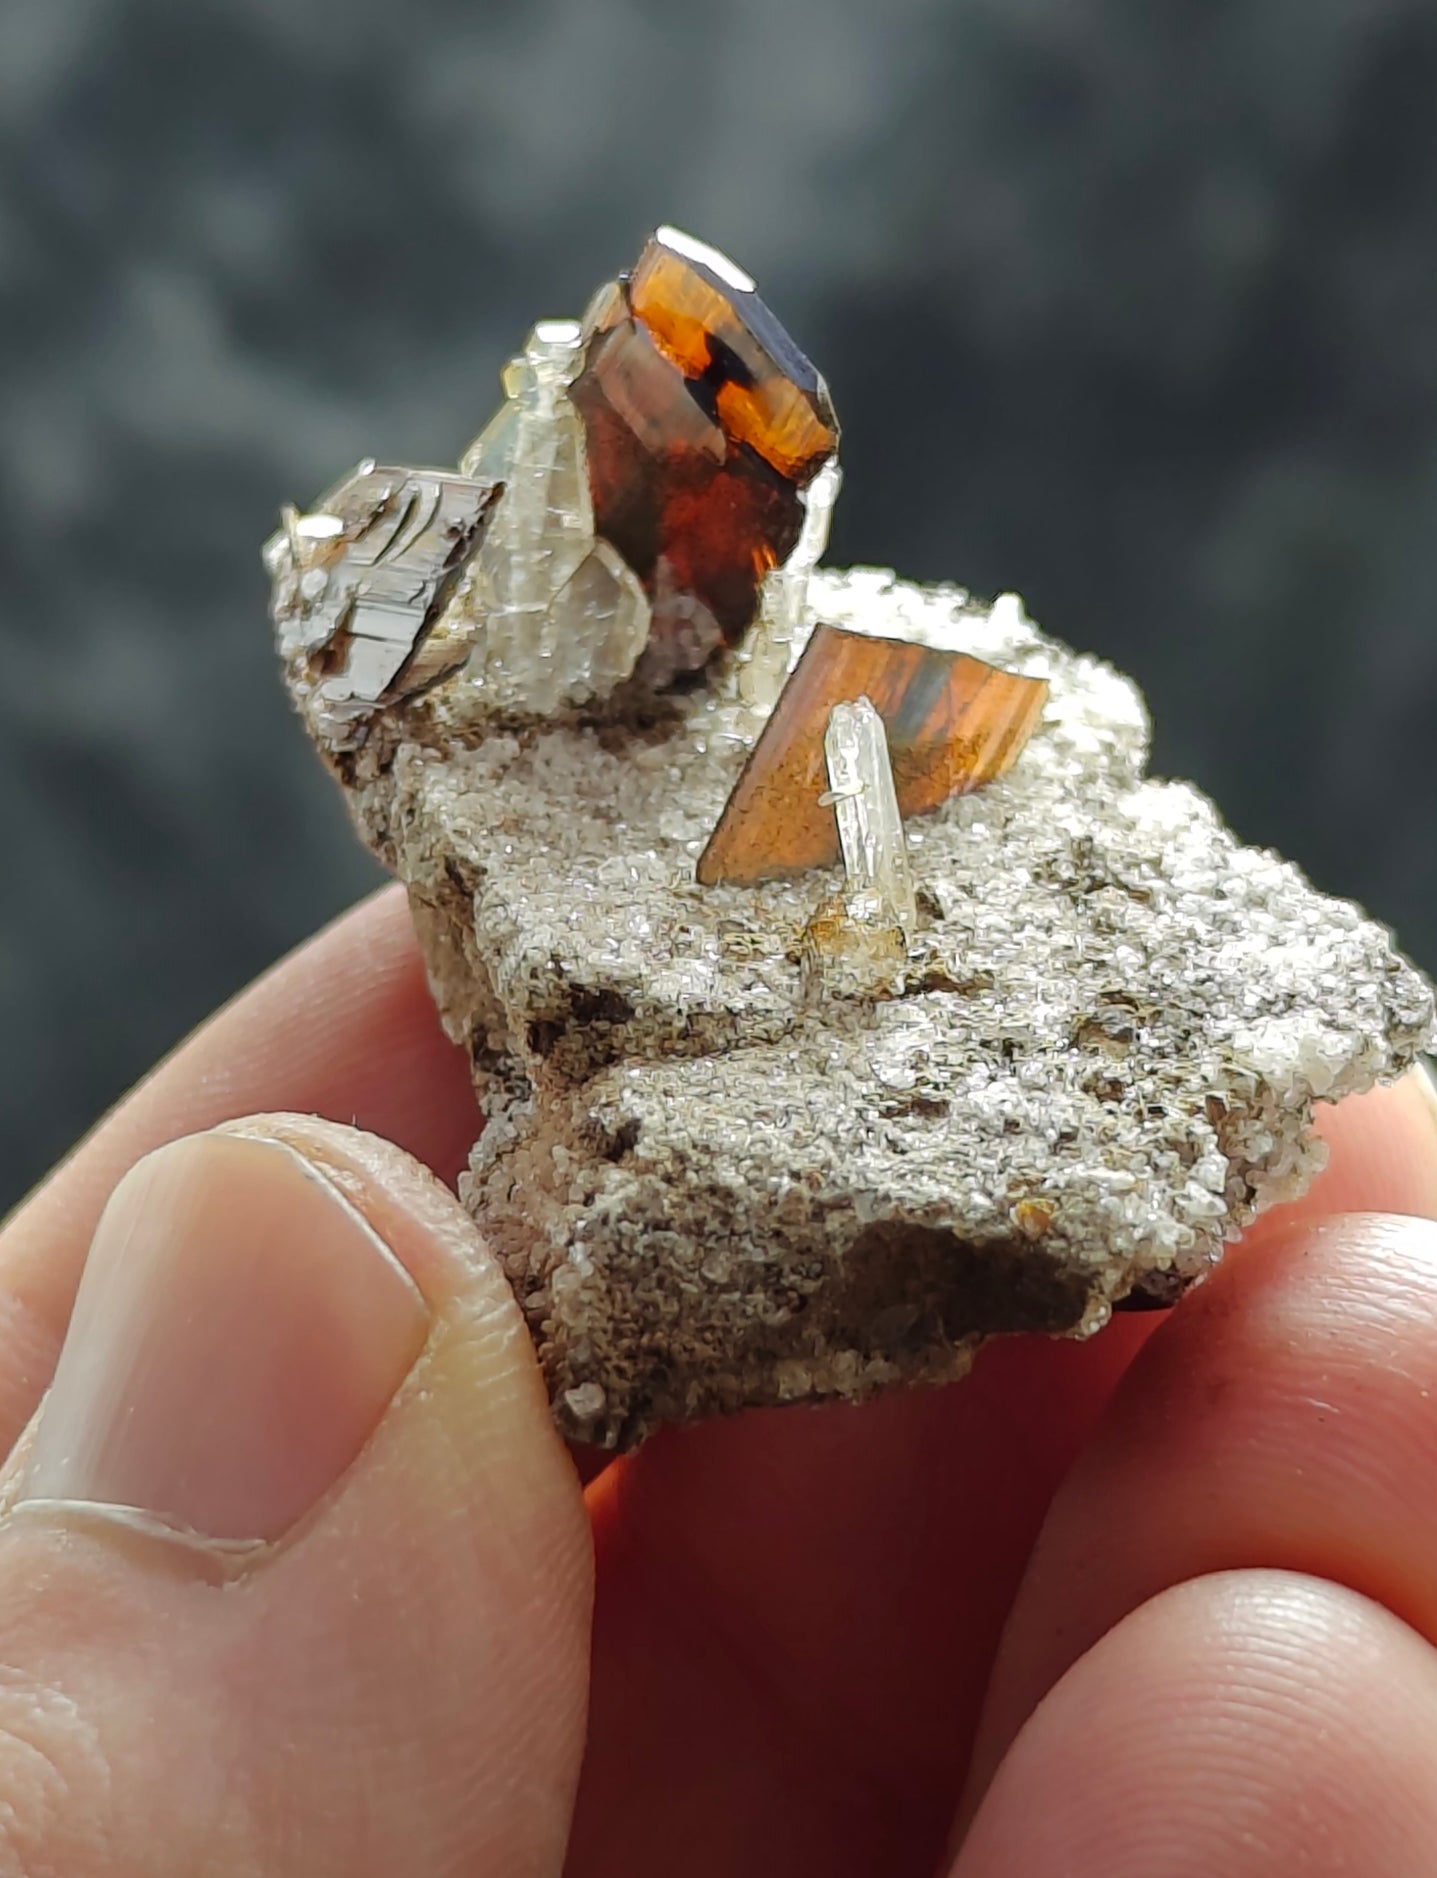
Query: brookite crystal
point(840, 991)
point(703, 421)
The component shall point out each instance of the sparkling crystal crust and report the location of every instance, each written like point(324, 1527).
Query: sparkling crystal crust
point(1097, 1059)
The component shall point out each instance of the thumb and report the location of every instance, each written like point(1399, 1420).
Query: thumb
point(294, 1570)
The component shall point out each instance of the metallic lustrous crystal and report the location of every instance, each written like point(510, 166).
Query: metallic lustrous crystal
point(361, 586)
point(954, 723)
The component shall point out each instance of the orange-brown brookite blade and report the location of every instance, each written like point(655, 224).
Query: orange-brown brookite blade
point(953, 724)
point(698, 324)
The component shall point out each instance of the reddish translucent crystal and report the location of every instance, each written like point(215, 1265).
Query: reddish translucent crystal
point(953, 723)
point(703, 422)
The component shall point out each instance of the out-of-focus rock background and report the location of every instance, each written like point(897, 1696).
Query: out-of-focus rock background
point(1132, 308)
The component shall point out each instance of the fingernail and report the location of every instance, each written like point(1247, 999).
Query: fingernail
point(238, 1333)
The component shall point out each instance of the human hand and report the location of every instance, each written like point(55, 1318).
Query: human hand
point(1220, 1657)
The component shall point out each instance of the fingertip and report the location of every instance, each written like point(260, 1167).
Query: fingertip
point(1282, 1417)
point(1246, 1723)
point(344, 1027)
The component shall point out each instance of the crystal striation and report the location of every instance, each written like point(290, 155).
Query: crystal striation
point(856, 943)
point(655, 476)
point(362, 587)
point(865, 806)
point(556, 616)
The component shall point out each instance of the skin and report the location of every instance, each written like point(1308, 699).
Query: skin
point(1207, 1542)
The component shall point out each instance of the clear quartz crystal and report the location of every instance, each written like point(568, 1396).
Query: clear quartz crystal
point(870, 827)
point(779, 631)
point(561, 617)
point(856, 944)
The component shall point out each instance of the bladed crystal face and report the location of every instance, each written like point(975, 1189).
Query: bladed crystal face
point(362, 584)
point(703, 423)
point(953, 724)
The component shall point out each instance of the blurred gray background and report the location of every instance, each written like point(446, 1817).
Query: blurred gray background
point(1130, 307)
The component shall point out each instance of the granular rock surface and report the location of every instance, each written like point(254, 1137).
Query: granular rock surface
point(712, 1188)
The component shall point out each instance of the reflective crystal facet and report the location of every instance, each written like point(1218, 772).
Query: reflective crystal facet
point(954, 723)
point(362, 586)
point(704, 424)
point(648, 469)
point(865, 805)
point(558, 617)
point(705, 314)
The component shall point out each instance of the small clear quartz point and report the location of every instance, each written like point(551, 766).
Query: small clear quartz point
point(856, 943)
point(870, 827)
point(779, 632)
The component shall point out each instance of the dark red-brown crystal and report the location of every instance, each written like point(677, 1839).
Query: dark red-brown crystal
point(703, 423)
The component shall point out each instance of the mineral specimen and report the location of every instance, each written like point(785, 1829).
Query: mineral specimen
point(774, 1132)
point(557, 615)
point(622, 511)
point(362, 585)
point(703, 423)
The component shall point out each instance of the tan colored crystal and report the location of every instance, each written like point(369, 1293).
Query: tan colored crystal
point(856, 944)
point(557, 616)
point(853, 947)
